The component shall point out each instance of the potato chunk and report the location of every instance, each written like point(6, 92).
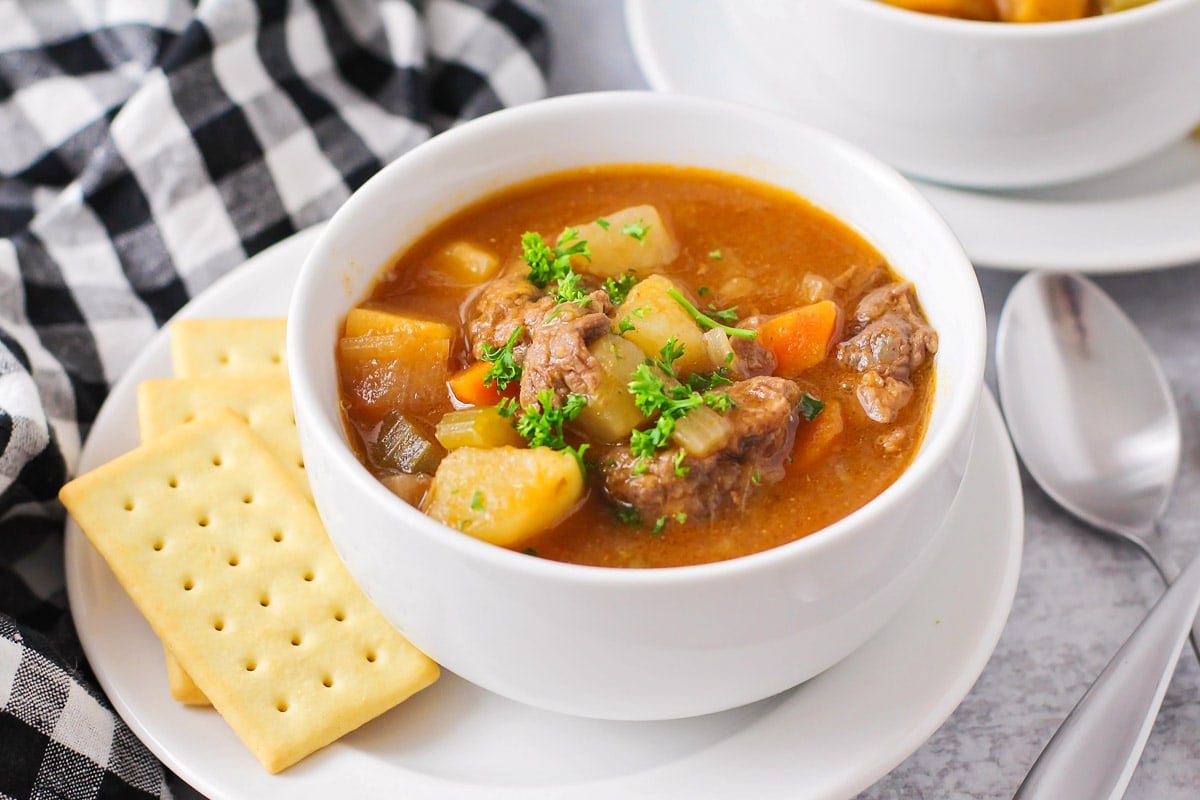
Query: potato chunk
point(610, 413)
point(466, 264)
point(649, 316)
point(504, 495)
point(634, 238)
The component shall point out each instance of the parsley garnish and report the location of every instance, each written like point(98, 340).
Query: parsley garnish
point(705, 321)
point(637, 230)
point(618, 288)
point(652, 396)
point(702, 382)
point(505, 369)
point(542, 424)
point(671, 350)
point(810, 406)
point(477, 501)
point(718, 401)
point(724, 315)
point(629, 515)
point(681, 517)
point(603, 223)
point(624, 326)
point(507, 406)
point(715, 255)
point(660, 525)
point(548, 264)
point(680, 470)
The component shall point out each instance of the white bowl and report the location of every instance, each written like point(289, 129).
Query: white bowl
point(634, 644)
point(982, 104)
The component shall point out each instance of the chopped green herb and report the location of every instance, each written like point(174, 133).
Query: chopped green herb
point(618, 288)
point(542, 424)
point(681, 517)
point(671, 350)
point(810, 406)
point(705, 321)
point(703, 382)
point(637, 230)
point(640, 467)
point(652, 395)
point(680, 470)
point(660, 525)
point(477, 501)
point(703, 290)
point(724, 315)
point(718, 401)
point(715, 255)
point(629, 515)
point(547, 264)
point(507, 406)
point(755, 477)
point(505, 369)
point(603, 223)
point(624, 326)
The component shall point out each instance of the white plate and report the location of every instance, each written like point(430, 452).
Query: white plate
point(831, 737)
point(1143, 217)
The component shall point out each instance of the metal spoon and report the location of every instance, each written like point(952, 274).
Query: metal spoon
point(1094, 421)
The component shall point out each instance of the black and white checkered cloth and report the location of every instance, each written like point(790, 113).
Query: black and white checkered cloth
point(147, 148)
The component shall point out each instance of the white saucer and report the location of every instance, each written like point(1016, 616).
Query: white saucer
point(1143, 217)
point(830, 738)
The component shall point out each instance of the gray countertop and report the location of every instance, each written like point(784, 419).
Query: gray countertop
point(1080, 593)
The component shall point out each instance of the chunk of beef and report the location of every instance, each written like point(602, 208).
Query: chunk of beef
point(764, 427)
point(891, 340)
point(557, 357)
point(750, 358)
point(882, 397)
point(508, 302)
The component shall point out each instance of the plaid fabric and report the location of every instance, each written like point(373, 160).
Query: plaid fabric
point(147, 148)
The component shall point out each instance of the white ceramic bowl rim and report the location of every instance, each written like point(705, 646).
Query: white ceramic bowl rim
point(1023, 30)
point(328, 436)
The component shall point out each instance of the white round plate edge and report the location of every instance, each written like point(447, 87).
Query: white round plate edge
point(84, 567)
point(1004, 231)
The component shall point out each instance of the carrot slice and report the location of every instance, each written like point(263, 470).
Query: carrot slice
point(468, 386)
point(801, 338)
point(815, 438)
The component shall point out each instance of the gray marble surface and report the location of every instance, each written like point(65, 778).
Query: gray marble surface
point(1080, 593)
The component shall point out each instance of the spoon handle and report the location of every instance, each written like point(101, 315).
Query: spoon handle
point(1093, 754)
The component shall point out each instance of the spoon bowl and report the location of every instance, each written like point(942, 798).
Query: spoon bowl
point(1088, 406)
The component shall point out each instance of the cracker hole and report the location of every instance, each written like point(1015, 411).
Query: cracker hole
point(234, 561)
point(296, 640)
point(247, 499)
point(202, 522)
point(309, 576)
point(264, 601)
point(219, 625)
point(281, 706)
point(223, 358)
point(129, 505)
point(217, 461)
point(251, 666)
point(327, 681)
point(300, 463)
point(371, 656)
point(158, 545)
point(276, 358)
point(188, 585)
point(277, 536)
point(188, 417)
point(339, 616)
point(173, 482)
